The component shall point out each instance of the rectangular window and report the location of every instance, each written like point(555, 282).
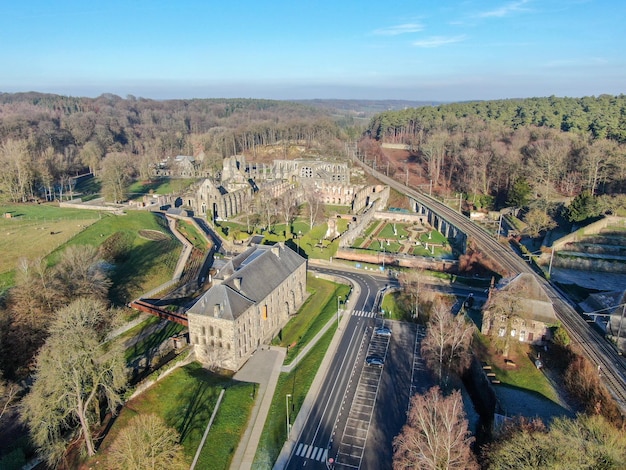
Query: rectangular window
point(264, 312)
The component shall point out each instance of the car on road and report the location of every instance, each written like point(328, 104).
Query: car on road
point(469, 301)
point(382, 331)
point(375, 361)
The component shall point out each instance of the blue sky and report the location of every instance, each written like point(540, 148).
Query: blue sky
point(446, 50)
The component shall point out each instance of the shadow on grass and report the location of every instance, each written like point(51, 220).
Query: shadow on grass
point(129, 276)
point(200, 402)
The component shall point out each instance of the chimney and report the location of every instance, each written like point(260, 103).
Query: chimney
point(276, 250)
point(237, 281)
point(216, 310)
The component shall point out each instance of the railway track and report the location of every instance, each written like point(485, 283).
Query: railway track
point(597, 349)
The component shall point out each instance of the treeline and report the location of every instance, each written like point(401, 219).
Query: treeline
point(558, 146)
point(602, 117)
point(46, 138)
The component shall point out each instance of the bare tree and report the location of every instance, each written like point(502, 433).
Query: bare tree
point(446, 347)
point(17, 175)
point(288, 209)
point(500, 315)
point(75, 374)
point(80, 273)
point(313, 202)
point(8, 394)
point(146, 442)
point(434, 151)
point(597, 161)
point(436, 434)
point(547, 162)
point(30, 309)
point(117, 171)
point(587, 441)
point(537, 221)
point(411, 283)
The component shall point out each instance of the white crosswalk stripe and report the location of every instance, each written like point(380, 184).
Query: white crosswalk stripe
point(363, 313)
point(310, 452)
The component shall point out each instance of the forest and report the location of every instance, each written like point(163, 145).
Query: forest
point(542, 149)
point(497, 153)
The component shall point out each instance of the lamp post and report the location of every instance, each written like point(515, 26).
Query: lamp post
point(287, 397)
point(338, 303)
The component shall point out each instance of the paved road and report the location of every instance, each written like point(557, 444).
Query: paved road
point(597, 349)
point(360, 408)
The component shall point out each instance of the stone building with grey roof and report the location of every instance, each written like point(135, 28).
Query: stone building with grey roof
point(251, 299)
point(520, 309)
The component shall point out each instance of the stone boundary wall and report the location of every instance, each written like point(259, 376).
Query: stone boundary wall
point(410, 217)
point(347, 238)
point(392, 259)
point(590, 229)
point(94, 205)
point(386, 145)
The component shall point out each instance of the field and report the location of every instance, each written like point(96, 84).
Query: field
point(34, 231)
point(43, 230)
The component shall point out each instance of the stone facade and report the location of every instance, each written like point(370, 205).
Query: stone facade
point(232, 192)
point(520, 308)
point(251, 299)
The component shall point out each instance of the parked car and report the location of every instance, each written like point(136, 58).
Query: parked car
point(375, 361)
point(383, 331)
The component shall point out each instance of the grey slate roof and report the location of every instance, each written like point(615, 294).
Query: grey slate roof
point(534, 299)
point(248, 279)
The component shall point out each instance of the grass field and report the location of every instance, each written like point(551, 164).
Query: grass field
point(185, 400)
point(320, 307)
point(149, 264)
point(34, 231)
point(27, 233)
point(159, 186)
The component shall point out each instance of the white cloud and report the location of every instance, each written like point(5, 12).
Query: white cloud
point(505, 10)
point(437, 41)
point(399, 29)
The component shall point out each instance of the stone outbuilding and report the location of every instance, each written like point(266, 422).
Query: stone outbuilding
point(251, 299)
point(519, 308)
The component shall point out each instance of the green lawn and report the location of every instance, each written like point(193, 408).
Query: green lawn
point(524, 375)
point(185, 400)
point(149, 263)
point(387, 231)
point(35, 230)
point(318, 309)
point(163, 185)
point(191, 233)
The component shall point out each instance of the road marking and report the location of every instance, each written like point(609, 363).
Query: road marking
point(311, 452)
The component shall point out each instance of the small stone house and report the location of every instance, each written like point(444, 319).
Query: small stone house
point(251, 299)
point(519, 307)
